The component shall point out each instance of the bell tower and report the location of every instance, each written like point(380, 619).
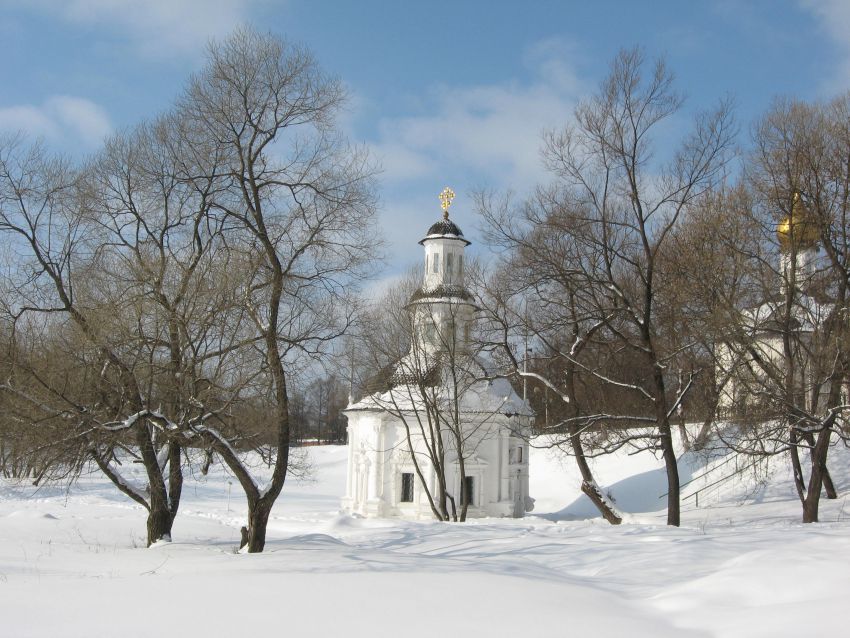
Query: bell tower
point(443, 306)
point(798, 236)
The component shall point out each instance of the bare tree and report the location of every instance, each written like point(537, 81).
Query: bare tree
point(623, 205)
point(43, 213)
point(536, 297)
point(298, 204)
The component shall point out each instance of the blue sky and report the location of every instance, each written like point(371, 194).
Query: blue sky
point(445, 93)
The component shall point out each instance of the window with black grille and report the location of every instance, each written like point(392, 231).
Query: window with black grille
point(406, 487)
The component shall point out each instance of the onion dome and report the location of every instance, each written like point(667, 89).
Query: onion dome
point(798, 229)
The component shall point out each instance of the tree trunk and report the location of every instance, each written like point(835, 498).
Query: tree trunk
point(160, 517)
point(589, 486)
point(443, 493)
point(797, 467)
point(666, 435)
point(175, 477)
point(828, 485)
point(672, 467)
point(159, 522)
point(258, 519)
point(454, 507)
point(163, 510)
point(588, 483)
point(702, 436)
point(812, 501)
point(464, 497)
point(591, 490)
point(683, 432)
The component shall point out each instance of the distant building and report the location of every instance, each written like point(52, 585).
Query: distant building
point(383, 479)
point(795, 308)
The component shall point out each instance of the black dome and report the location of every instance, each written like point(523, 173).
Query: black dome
point(445, 227)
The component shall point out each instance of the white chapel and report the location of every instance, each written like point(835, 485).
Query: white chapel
point(444, 433)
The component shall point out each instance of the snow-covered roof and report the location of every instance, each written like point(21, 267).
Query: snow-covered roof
point(806, 313)
point(479, 396)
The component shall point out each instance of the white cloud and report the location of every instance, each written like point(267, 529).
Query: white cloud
point(552, 59)
point(81, 117)
point(64, 119)
point(158, 28)
point(399, 161)
point(28, 119)
point(834, 18)
point(490, 131)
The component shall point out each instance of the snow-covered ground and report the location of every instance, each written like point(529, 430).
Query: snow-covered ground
point(73, 562)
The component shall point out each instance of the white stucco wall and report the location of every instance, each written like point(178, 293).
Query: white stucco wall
point(379, 454)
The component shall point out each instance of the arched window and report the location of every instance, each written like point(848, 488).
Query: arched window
point(449, 266)
point(435, 263)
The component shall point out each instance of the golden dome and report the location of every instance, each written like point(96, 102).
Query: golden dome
point(798, 227)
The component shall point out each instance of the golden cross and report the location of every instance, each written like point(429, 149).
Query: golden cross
point(446, 198)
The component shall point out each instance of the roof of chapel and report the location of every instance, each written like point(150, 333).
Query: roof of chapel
point(445, 229)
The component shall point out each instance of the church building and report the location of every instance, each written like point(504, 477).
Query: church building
point(443, 432)
point(740, 379)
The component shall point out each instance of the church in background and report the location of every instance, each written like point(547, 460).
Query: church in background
point(399, 463)
point(796, 308)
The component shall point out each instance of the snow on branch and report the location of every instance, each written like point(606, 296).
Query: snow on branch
point(229, 455)
point(123, 484)
point(681, 395)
